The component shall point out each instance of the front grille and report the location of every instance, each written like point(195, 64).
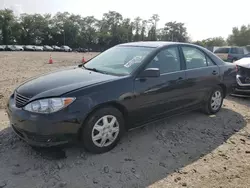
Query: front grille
point(20, 100)
point(245, 79)
point(244, 75)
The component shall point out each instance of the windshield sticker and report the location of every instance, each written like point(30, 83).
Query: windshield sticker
point(135, 60)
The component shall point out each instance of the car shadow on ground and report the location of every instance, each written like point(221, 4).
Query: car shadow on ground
point(142, 157)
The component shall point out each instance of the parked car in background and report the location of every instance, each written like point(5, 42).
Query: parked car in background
point(29, 48)
point(19, 48)
point(120, 89)
point(230, 54)
point(81, 50)
point(2, 47)
point(66, 49)
point(56, 48)
point(9, 48)
point(243, 77)
point(38, 48)
point(47, 48)
point(14, 48)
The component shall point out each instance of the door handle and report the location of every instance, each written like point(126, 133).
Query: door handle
point(214, 72)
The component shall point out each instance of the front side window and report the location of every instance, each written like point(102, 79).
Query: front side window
point(167, 61)
point(119, 60)
point(240, 51)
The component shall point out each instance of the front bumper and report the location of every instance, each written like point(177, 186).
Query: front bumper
point(43, 129)
point(242, 91)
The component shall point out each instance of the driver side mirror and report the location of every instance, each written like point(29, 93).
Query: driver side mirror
point(150, 72)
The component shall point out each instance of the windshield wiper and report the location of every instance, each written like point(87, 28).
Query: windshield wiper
point(94, 69)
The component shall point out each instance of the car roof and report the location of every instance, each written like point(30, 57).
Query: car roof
point(153, 44)
point(229, 47)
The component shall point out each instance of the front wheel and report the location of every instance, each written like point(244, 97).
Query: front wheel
point(214, 101)
point(102, 130)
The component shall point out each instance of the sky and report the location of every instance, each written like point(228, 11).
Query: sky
point(203, 18)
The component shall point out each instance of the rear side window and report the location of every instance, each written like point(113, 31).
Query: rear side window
point(234, 50)
point(240, 51)
point(237, 50)
point(222, 50)
point(195, 58)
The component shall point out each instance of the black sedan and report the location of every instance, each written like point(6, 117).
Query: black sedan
point(120, 89)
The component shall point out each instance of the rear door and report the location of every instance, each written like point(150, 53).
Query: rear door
point(202, 73)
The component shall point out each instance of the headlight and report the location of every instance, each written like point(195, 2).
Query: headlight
point(49, 105)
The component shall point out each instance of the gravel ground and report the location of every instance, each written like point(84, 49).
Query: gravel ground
point(190, 150)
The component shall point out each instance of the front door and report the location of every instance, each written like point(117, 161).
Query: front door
point(155, 96)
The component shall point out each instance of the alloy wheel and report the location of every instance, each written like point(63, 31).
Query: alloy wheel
point(216, 100)
point(105, 131)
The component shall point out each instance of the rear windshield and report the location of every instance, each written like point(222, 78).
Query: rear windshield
point(222, 50)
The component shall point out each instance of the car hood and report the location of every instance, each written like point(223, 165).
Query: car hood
point(244, 62)
point(60, 82)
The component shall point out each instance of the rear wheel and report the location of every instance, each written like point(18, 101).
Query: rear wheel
point(102, 130)
point(214, 101)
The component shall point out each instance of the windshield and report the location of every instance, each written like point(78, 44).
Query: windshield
point(119, 60)
point(222, 50)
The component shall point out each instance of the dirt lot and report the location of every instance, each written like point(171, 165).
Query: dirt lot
point(191, 150)
point(16, 67)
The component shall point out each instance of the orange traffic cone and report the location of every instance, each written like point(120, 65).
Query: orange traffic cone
point(50, 60)
point(83, 60)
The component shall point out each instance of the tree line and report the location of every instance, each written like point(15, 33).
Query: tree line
point(88, 32)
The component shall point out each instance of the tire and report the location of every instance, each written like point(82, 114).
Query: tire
point(213, 109)
point(96, 121)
